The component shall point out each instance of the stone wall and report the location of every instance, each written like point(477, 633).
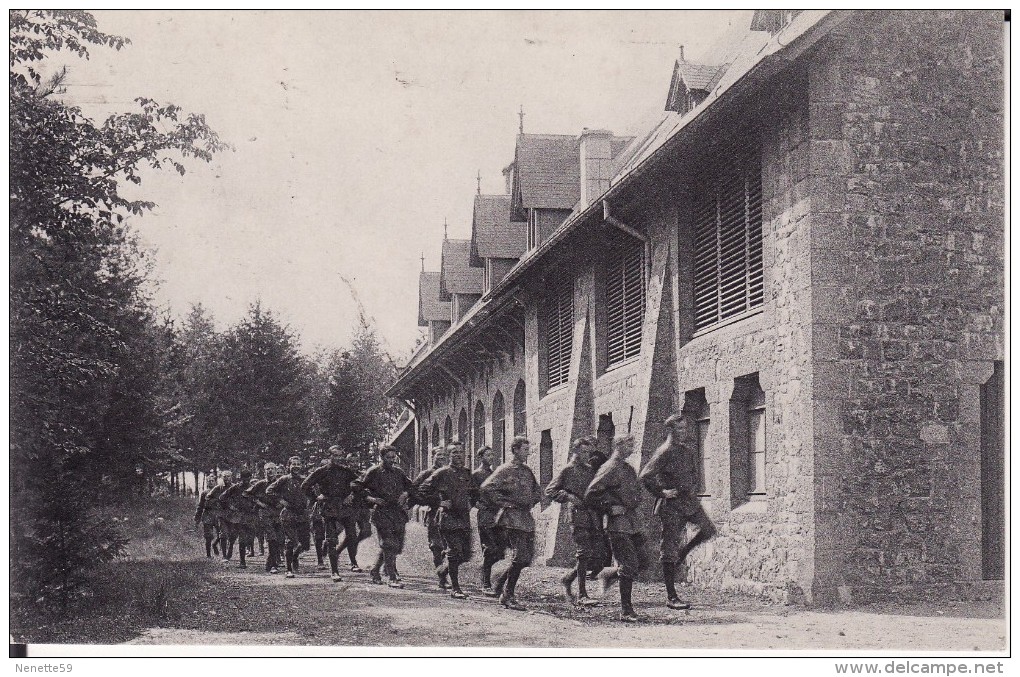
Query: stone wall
point(765, 542)
point(907, 248)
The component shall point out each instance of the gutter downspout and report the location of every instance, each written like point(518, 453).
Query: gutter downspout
point(608, 217)
point(613, 221)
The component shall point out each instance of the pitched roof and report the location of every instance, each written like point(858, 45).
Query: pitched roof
point(548, 169)
point(456, 274)
point(753, 62)
point(493, 234)
point(429, 306)
point(698, 75)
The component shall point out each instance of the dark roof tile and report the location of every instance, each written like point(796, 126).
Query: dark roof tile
point(493, 234)
point(456, 274)
point(430, 308)
point(548, 168)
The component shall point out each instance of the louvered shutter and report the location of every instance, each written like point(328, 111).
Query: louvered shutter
point(625, 300)
point(728, 269)
point(559, 325)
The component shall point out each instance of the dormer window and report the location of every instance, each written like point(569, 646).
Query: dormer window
point(773, 20)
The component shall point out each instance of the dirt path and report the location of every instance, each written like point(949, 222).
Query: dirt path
point(251, 607)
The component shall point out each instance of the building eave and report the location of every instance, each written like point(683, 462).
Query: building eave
point(784, 47)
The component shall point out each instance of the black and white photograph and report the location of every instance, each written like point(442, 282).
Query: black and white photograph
point(510, 333)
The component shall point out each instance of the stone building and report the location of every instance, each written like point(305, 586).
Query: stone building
point(807, 255)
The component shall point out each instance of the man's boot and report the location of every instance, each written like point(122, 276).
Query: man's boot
point(567, 581)
point(289, 552)
point(442, 572)
point(454, 571)
point(627, 614)
point(582, 583)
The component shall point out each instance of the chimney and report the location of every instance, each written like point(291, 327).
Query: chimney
point(508, 176)
point(596, 159)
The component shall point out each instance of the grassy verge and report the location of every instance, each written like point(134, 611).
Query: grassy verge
point(121, 599)
point(158, 584)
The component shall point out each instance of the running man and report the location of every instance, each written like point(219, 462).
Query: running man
point(617, 490)
point(269, 516)
point(206, 515)
point(294, 516)
point(440, 458)
point(513, 488)
point(492, 538)
point(388, 491)
point(670, 476)
point(331, 485)
point(453, 490)
point(568, 488)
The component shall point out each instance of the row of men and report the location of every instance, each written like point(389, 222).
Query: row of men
point(603, 496)
point(255, 509)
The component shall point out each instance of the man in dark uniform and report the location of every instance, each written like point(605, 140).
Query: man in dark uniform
point(453, 490)
point(294, 516)
point(243, 514)
point(513, 488)
point(617, 490)
point(318, 525)
point(440, 457)
point(269, 517)
point(671, 477)
point(492, 538)
point(596, 459)
point(316, 522)
point(568, 488)
point(362, 513)
point(228, 534)
point(206, 516)
point(331, 487)
point(388, 491)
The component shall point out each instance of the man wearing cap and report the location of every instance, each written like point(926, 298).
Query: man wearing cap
point(616, 489)
point(331, 486)
point(294, 516)
point(388, 491)
point(269, 516)
point(492, 538)
point(207, 517)
point(440, 457)
point(671, 477)
point(568, 488)
point(243, 513)
point(513, 488)
point(453, 490)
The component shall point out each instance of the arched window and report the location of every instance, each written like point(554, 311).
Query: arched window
point(424, 449)
point(448, 430)
point(747, 439)
point(756, 441)
point(498, 425)
point(479, 429)
point(435, 439)
point(462, 427)
point(520, 410)
point(698, 409)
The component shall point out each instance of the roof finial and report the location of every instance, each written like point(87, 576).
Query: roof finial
point(521, 116)
point(444, 228)
point(423, 262)
point(479, 179)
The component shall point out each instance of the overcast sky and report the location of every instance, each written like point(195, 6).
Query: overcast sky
point(356, 134)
